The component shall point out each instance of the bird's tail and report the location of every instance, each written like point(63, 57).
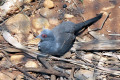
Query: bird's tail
point(87, 23)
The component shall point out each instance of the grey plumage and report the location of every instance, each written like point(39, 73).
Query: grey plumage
point(61, 38)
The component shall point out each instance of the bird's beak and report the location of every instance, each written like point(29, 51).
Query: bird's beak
point(38, 36)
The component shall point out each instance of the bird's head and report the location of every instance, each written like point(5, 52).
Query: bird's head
point(46, 35)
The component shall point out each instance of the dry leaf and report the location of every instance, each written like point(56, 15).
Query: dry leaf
point(9, 38)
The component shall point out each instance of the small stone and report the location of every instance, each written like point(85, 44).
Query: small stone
point(27, 1)
point(17, 58)
point(39, 23)
point(83, 74)
point(46, 12)
point(65, 5)
point(19, 25)
point(48, 4)
point(53, 21)
point(68, 16)
point(31, 64)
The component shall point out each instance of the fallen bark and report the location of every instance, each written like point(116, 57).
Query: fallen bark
point(99, 45)
point(46, 71)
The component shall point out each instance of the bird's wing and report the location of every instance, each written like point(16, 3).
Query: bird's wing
point(65, 41)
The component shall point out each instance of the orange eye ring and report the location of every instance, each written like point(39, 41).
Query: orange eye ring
point(44, 35)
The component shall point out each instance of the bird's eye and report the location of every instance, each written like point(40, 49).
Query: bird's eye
point(44, 35)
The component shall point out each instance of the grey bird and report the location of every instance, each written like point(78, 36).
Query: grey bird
point(60, 39)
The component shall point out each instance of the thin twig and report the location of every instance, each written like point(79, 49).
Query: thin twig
point(46, 71)
point(70, 61)
point(44, 63)
point(79, 10)
point(114, 34)
point(102, 23)
point(90, 65)
point(25, 73)
point(96, 29)
point(72, 73)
